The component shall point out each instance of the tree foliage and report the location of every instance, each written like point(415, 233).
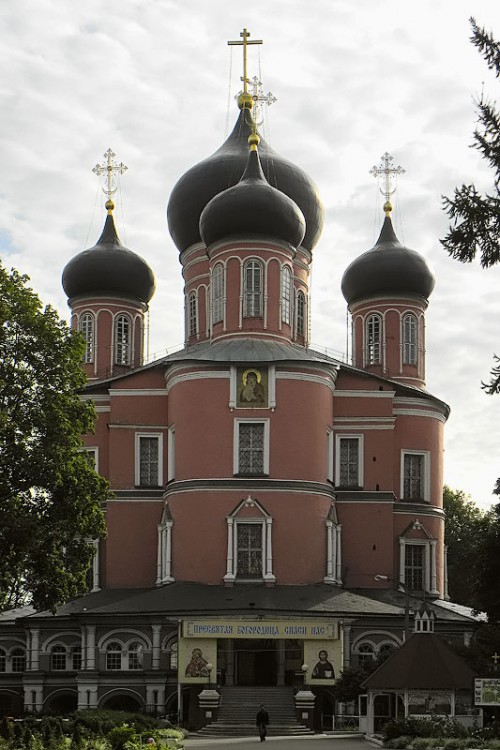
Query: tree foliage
point(50, 496)
point(465, 528)
point(475, 218)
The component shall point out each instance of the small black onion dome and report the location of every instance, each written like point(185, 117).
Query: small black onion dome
point(224, 169)
point(109, 268)
point(250, 208)
point(388, 268)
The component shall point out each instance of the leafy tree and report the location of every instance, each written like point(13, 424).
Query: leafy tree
point(489, 568)
point(50, 496)
point(465, 528)
point(475, 218)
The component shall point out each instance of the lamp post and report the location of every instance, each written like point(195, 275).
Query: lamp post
point(210, 666)
point(404, 589)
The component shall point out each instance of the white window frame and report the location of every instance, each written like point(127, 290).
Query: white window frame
point(301, 314)
point(266, 522)
point(87, 329)
point(123, 341)
point(429, 573)
point(361, 468)
point(253, 297)
point(236, 444)
point(138, 437)
point(410, 338)
point(330, 466)
point(218, 293)
point(373, 348)
point(171, 454)
point(60, 651)
point(286, 295)
point(426, 477)
point(93, 450)
point(192, 309)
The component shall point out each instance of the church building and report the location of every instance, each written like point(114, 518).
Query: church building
point(276, 514)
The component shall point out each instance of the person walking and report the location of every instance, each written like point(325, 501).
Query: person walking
point(262, 720)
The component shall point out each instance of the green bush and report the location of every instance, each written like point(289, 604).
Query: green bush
point(118, 736)
point(435, 726)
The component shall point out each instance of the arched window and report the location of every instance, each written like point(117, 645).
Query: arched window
point(301, 314)
point(76, 658)
point(122, 340)
point(192, 314)
point(18, 660)
point(286, 289)
point(87, 331)
point(365, 652)
point(3, 660)
point(58, 658)
point(218, 293)
point(373, 339)
point(114, 656)
point(135, 656)
point(252, 289)
point(386, 649)
point(410, 339)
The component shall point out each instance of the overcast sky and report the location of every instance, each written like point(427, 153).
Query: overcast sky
point(155, 81)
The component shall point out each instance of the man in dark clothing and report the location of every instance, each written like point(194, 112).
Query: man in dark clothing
point(262, 720)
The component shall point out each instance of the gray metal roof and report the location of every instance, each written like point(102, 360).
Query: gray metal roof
point(197, 599)
point(246, 349)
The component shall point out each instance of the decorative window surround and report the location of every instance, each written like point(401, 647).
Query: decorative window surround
point(164, 563)
point(218, 293)
point(333, 549)
point(429, 574)
point(410, 339)
point(123, 330)
point(373, 340)
point(286, 295)
point(87, 329)
point(265, 521)
point(171, 454)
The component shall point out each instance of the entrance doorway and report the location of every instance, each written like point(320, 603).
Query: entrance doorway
point(255, 662)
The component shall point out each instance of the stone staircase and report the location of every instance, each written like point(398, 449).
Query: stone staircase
point(239, 706)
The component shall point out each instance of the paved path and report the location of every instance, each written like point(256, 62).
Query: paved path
point(314, 742)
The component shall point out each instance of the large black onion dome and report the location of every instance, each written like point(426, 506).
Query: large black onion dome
point(252, 207)
point(224, 169)
point(388, 268)
point(109, 268)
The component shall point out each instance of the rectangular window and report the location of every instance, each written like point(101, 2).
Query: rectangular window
point(415, 567)
point(251, 446)
point(252, 284)
point(249, 550)
point(149, 468)
point(415, 477)
point(349, 461)
point(92, 456)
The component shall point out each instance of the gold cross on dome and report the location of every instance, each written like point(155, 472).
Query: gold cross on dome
point(245, 42)
point(109, 169)
point(386, 169)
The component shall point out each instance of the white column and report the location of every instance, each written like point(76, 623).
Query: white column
point(34, 651)
point(155, 657)
point(159, 555)
point(402, 561)
point(230, 576)
point(346, 633)
point(338, 550)
point(433, 581)
point(269, 551)
point(329, 578)
point(90, 647)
